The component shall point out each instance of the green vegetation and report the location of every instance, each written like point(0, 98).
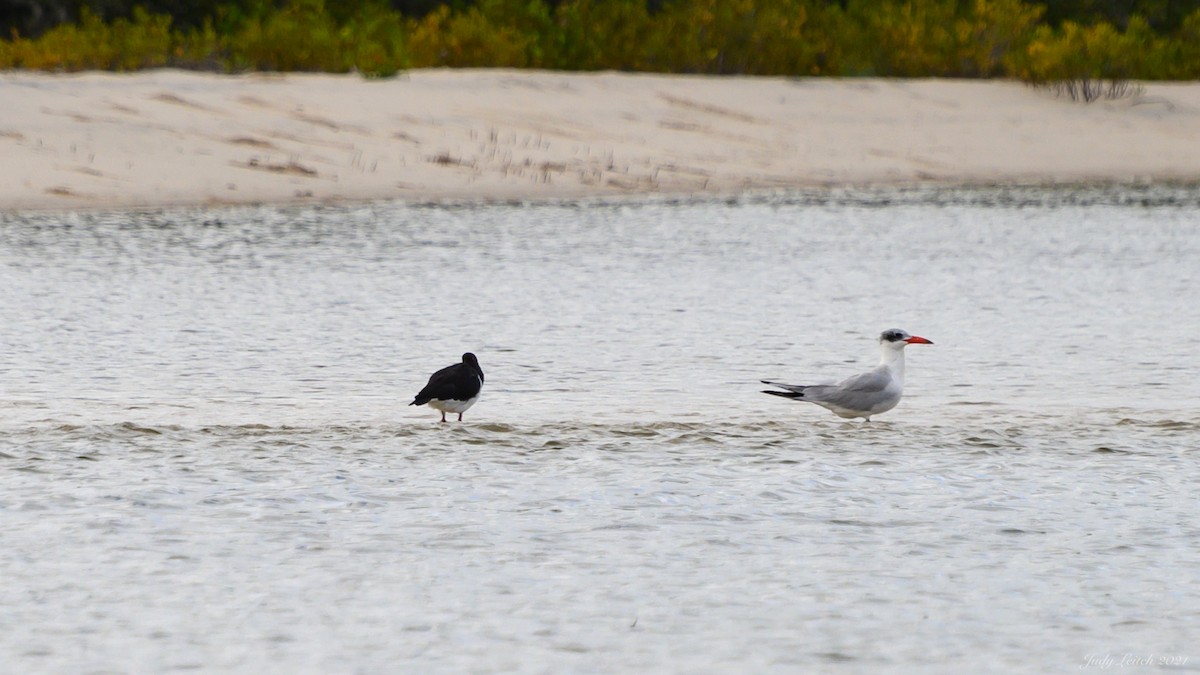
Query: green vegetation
point(1056, 42)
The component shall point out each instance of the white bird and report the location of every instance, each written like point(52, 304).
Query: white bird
point(871, 393)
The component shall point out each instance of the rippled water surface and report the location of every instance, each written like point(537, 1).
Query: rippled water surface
point(207, 462)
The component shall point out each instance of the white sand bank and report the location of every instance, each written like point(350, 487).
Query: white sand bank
point(167, 137)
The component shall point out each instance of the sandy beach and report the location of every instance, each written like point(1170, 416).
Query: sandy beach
point(100, 140)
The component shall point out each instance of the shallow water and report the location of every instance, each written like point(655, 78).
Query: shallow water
point(207, 463)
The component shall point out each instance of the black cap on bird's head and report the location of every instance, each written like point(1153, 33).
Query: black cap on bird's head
point(901, 337)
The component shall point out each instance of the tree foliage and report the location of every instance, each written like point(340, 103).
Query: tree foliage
point(1057, 41)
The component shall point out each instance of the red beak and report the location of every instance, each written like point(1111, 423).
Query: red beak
point(914, 340)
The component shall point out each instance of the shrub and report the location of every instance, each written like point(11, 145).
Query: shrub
point(598, 35)
point(993, 29)
point(375, 42)
point(738, 37)
point(299, 37)
point(143, 42)
point(467, 39)
point(1098, 52)
point(906, 39)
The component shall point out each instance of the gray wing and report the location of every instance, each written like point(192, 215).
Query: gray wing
point(860, 392)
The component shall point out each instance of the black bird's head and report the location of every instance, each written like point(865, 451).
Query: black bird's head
point(470, 360)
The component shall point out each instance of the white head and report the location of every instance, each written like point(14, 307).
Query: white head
point(894, 338)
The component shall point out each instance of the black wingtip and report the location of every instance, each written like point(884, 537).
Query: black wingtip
point(784, 394)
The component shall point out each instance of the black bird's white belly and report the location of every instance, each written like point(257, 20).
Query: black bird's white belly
point(452, 405)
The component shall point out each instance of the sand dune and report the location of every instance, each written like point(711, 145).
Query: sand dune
point(101, 140)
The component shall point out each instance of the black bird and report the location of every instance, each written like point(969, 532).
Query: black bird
point(453, 388)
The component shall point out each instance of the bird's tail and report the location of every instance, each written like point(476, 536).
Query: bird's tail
point(785, 394)
point(794, 391)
